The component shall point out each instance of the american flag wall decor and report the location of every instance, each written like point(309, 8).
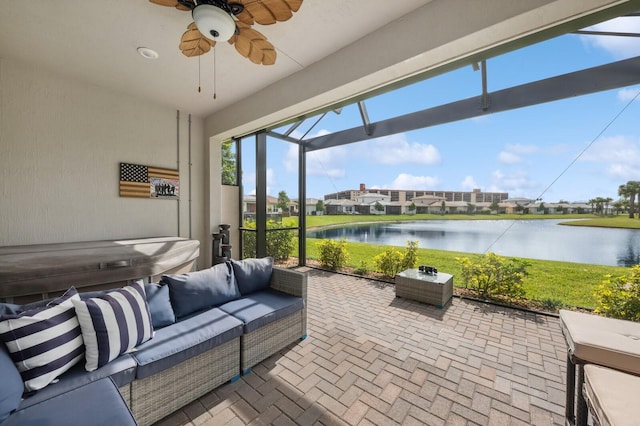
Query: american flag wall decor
point(148, 182)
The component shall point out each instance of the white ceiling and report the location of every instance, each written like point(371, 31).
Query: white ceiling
point(331, 50)
point(96, 41)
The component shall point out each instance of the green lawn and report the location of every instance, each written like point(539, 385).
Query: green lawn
point(619, 221)
point(335, 220)
point(572, 284)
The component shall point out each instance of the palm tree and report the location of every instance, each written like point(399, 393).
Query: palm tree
point(636, 188)
point(621, 205)
point(607, 202)
point(628, 193)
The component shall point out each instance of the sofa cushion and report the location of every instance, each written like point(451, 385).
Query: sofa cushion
point(96, 403)
point(159, 305)
point(198, 290)
point(113, 324)
point(9, 309)
point(252, 274)
point(12, 386)
point(186, 338)
point(261, 308)
point(121, 370)
point(44, 342)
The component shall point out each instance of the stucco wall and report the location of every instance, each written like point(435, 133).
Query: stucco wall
point(61, 143)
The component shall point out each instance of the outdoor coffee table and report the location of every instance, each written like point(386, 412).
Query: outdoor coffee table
point(436, 289)
point(597, 340)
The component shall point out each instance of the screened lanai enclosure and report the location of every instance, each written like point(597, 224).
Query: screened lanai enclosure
point(448, 96)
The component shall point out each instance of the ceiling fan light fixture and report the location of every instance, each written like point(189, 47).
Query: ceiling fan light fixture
point(213, 22)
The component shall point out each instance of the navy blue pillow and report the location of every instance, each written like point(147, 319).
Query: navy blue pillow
point(252, 274)
point(159, 305)
point(12, 386)
point(194, 291)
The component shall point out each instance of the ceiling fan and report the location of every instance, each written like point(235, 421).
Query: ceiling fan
point(222, 20)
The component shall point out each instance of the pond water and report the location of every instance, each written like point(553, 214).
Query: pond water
point(535, 239)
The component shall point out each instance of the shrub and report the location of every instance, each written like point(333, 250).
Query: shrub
point(333, 254)
point(493, 276)
point(391, 261)
point(619, 297)
point(410, 258)
point(279, 243)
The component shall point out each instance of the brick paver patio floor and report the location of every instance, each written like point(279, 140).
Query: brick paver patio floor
point(372, 358)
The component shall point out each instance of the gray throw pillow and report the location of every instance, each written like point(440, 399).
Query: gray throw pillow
point(252, 274)
point(12, 386)
point(159, 305)
point(195, 291)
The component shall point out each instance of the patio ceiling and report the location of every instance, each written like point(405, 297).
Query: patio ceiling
point(331, 51)
point(96, 41)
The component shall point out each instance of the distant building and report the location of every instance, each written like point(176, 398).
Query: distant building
point(340, 207)
point(397, 201)
point(249, 208)
point(401, 195)
point(310, 207)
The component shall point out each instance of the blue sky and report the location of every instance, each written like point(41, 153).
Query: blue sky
point(521, 152)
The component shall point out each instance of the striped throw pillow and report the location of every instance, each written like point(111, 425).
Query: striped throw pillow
point(44, 342)
point(113, 324)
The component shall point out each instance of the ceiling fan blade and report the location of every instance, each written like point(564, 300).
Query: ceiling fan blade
point(253, 45)
point(193, 43)
point(266, 12)
point(170, 3)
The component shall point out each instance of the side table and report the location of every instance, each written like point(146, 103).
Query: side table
point(434, 289)
point(593, 339)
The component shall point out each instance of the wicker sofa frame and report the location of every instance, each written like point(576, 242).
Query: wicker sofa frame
point(159, 395)
point(266, 341)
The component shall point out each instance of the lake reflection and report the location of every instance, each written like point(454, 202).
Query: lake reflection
point(535, 239)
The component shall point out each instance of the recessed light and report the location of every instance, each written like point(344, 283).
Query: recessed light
point(145, 52)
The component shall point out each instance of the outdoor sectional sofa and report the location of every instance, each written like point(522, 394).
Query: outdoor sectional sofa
point(206, 328)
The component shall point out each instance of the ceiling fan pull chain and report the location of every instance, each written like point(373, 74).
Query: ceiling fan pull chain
point(214, 75)
point(199, 88)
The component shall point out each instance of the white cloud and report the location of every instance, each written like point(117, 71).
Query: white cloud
point(619, 47)
point(290, 160)
point(469, 183)
point(515, 182)
point(407, 181)
point(323, 162)
point(396, 149)
point(513, 153)
point(297, 134)
point(619, 154)
point(328, 162)
point(509, 158)
point(628, 94)
point(249, 182)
